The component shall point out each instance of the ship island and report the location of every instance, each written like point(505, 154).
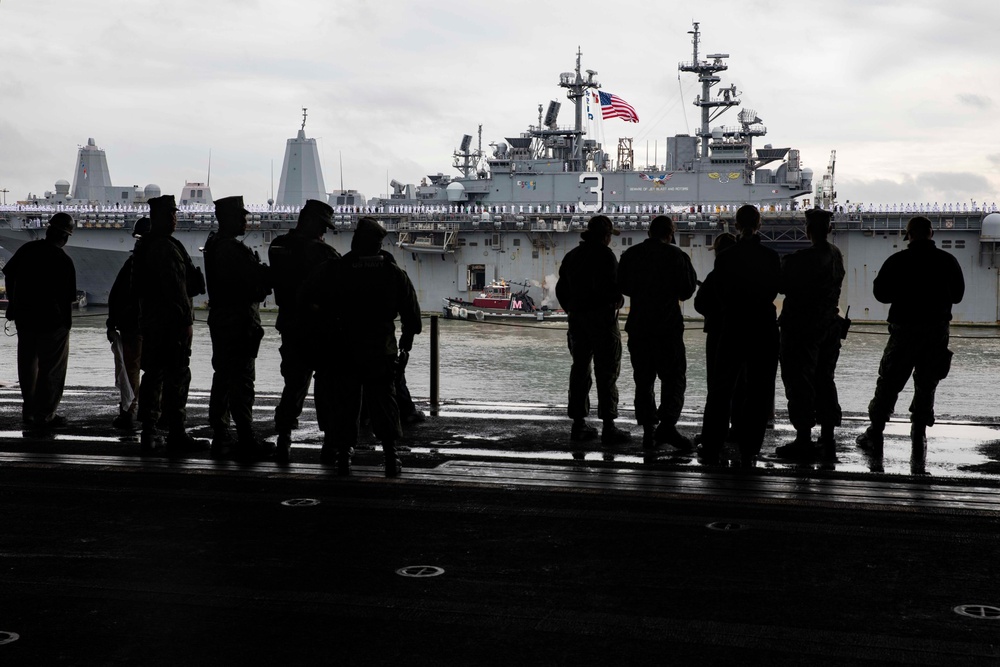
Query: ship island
point(512, 211)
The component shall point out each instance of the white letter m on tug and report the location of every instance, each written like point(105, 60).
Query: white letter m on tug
point(597, 190)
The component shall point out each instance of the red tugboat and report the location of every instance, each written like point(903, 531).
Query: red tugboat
point(499, 301)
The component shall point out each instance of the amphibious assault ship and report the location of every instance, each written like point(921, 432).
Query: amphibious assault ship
point(513, 213)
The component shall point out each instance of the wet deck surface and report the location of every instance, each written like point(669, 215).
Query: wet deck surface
point(550, 554)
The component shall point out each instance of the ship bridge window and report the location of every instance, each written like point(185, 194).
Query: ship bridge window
point(201, 193)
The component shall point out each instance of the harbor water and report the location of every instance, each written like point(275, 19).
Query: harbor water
point(529, 363)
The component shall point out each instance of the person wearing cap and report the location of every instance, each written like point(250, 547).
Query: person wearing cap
point(166, 281)
point(748, 344)
point(237, 283)
point(123, 331)
point(921, 283)
point(811, 329)
point(293, 257)
point(361, 353)
point(656, 276)
point(587, 289)
point(41, 288)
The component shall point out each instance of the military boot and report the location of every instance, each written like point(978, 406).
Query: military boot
point(668, 434)
point(221, 442)
point(393, 466)
point(872, 439)
point(283, 449)
point(581, 431)
point(249, 448)
point(799, 449)
point(149, 440)
point(124, 421)
point(612, 435)
point(180, 442)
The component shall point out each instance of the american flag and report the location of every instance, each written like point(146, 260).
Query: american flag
point(613, 106)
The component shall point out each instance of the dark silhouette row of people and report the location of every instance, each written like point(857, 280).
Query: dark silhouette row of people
point(357, 362)
point(150, 326)
point(746, 340)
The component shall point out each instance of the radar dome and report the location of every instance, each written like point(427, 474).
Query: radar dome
point(62, 187)
point(455, 191)
point(151, 191)
point(991, 227)
point(718, 133)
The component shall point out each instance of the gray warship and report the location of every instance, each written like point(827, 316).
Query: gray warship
point(513, 212)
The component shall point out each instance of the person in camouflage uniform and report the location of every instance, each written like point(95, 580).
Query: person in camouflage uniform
point(362, 351)
point(657, 276)
point(237, 283)
point(293, 257)
point(922, 283)
point(165, 280)
point(811, 331)
point(588, 290)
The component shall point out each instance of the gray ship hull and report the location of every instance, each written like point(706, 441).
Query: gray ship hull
point(454, 256)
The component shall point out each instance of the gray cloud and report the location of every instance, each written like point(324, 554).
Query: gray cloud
point(994, 159)
point(981, 101)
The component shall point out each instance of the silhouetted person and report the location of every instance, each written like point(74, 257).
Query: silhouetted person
point(293, 257)
point(811, 330)
point(123, 330)
point(41, 288)
point(657, 276)
point(166, 281)
point(408, 413)
point(588, 290)
point(237, 283)
point(748, 343)
point(921, 283)
point(361, 352)
point(708, 302)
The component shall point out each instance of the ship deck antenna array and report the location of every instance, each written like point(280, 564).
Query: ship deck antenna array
point(304, 114)
point(707, 71)
point(4, 191)
point(576, 89)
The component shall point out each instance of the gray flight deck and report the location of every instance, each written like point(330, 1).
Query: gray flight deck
point(544, 553)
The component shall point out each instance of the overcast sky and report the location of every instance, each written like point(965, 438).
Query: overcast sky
point(906, 92)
